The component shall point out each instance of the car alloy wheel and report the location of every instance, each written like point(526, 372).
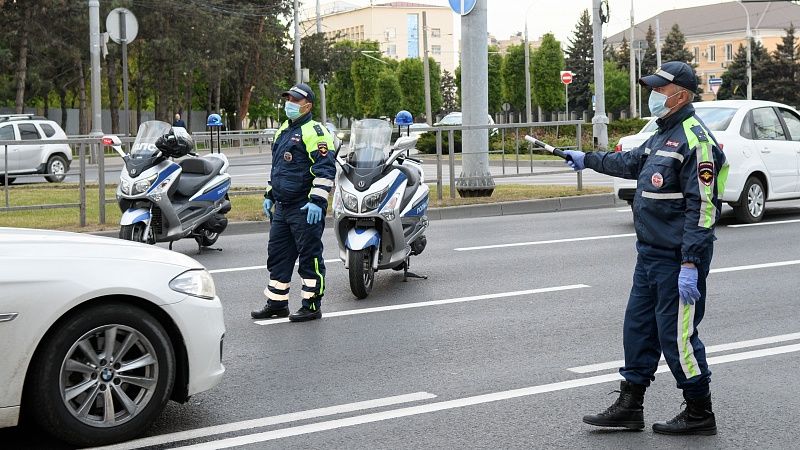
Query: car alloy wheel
point(755, 200)
point(108, 376)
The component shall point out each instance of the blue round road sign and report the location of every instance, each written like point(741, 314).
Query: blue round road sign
point(462, 7)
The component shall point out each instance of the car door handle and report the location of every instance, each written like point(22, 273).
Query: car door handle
point(765, 150)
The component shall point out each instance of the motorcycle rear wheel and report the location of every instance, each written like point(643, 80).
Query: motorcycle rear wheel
point(362, 275)
point(206, 237)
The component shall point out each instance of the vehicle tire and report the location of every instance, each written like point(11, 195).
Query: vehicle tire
point(71, 374)
point(135, 232)
point(56, 169)
point(3, 180)
point(206, 237)
point(750, 208)
point(362, 275)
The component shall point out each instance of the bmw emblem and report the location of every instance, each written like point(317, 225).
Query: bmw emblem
point(361, 184)
point(133, 171)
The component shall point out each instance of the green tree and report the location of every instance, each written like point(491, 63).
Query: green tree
point(513, 75)
point(649, 59)
point(617, 87)
point(388, 94)
point(580, 61)
point(495, 79)
point(674, 48)
point(781, 84)
point(435, 71)
point(547, 63)
point(734, 80)
point(623, 56)
point(341, 90)
point(411, 77)
point(449, 93)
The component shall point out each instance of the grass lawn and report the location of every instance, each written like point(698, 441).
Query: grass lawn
point(246, 207)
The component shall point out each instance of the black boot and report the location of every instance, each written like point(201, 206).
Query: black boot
point(306, 313)
point(269, 313)
point(697, 418)
point(626, 412)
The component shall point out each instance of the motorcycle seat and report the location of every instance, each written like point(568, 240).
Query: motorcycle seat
point(196, 173)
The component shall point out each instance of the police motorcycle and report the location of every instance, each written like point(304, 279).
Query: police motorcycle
point(162, 200)
point(380, 203)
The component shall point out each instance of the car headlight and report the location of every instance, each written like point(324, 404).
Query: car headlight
point(350, 201)
point(143, 185)
point(372, 201)
point(125, 186)
point(197, 283)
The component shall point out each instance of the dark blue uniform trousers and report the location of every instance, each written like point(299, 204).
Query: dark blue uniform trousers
point(290, 237)
point(656, 321)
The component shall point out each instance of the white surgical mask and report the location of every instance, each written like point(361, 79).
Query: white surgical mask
point(658, 103)
point(292, 110)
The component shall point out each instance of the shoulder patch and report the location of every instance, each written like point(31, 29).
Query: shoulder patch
point(322, 148)
point(705, 172)
point(700, 133)
point(318, 129)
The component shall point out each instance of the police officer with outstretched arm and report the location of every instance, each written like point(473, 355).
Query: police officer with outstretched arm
point(680, 173)
point(296, 199)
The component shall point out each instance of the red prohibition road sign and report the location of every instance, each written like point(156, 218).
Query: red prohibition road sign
point(566, 77)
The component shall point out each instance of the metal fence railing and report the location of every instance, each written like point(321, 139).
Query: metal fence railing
point(514, 158)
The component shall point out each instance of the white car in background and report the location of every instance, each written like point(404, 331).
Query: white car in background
point(97, 334)
point(761, 141)
point(50, 160)
point(626, 189)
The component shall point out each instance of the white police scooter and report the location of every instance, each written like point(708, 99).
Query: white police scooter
point(380, 204)
point(163, 201)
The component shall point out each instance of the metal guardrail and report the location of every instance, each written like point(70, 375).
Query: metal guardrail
point(88, 149)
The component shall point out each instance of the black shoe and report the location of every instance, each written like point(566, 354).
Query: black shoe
point(697, 418)
point(269, 313)
point(626, 412)
point(305, 314)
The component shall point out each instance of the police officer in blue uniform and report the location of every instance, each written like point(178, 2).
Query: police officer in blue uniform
point(296, 199)
point(680, 173)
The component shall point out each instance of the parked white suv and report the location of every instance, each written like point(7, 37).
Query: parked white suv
point(761, 141)
point(51, 160)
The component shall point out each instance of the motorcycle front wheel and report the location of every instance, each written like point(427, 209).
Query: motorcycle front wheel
point(135, 232)
point(362, 275)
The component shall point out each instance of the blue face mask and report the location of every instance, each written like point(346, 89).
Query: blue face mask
point(658, 103)
point(292, 110)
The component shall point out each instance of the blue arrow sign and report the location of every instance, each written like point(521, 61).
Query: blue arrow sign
point(713, 81)
point(462, 7)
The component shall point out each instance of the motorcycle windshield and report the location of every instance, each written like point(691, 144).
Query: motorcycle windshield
point(145, 144)
point(369, 140)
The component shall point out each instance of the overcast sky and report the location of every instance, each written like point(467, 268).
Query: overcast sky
point(559, 17)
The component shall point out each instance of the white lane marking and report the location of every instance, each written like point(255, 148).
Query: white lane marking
point(353, 312)
point(710, 349)
point(626, 210)
point(756, 266)
point(554, 241)
point(761, 224)
point(459, 403)
point(267, 421)
point(242, 269)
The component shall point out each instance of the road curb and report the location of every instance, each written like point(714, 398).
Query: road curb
point(537, 206)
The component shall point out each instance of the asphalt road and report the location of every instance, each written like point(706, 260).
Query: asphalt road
point(479, 355)
point(252, 170)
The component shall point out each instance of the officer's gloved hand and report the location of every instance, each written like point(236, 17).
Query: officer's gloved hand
point(577, 160)
point(314, 213)
point(687, 285)
point(268, 208)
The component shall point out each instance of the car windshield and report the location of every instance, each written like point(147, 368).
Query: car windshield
point(650, 127)
point(451, 119)
point(145, 144)
point(716, 119)
point(369, 140)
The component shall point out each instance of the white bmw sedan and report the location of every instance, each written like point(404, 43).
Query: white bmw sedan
point(97, 334)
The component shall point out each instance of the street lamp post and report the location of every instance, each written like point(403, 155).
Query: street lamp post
point(528, 106)
point(639, 57)
point(749, 57)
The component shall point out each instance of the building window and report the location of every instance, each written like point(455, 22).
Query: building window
point(390, 34)
point(696, 53)
point(712, 53)
point(436, 32)
point(391, 50)
point(436, 49)
point(412, 21)
point(728, 52)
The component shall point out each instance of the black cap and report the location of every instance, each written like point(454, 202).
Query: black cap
point(299, 92)
point(675, 72)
